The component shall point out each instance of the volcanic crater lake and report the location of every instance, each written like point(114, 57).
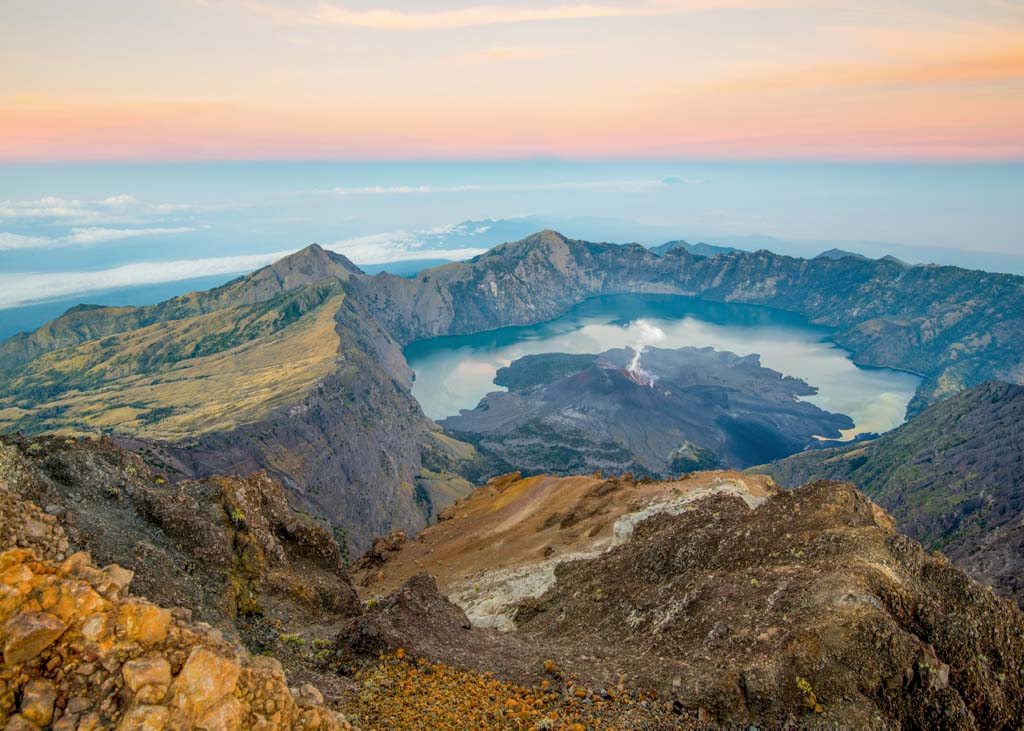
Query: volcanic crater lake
point(454, 373)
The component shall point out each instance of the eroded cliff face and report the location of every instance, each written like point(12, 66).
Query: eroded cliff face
point(356, 449)
point(229, 549)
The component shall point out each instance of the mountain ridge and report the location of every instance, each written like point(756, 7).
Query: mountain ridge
point(348, 438)
point(87, 322)
point(955, 327)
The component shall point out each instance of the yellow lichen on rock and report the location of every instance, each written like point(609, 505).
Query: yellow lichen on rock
point(401, 693)
point(78, 654)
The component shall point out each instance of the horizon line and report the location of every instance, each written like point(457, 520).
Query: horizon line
point(523, 159)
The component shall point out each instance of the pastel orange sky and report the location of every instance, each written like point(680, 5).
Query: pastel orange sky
point(752, 79)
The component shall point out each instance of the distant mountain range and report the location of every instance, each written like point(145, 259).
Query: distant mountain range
point(298, 367)
point(698, 249)
point(837, 254)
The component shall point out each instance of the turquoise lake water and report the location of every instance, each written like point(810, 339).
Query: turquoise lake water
point(454, 373)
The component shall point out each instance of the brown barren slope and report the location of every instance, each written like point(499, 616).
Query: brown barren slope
point(501, 544)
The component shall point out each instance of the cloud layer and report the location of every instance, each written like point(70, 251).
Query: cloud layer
point(445, 242)
point(121, 208)
point(25, 288)
point(388, 248)
point(466, 17)
point(624, 186)
point(87, 236)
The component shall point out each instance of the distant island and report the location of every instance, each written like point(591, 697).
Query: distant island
point(658, 412)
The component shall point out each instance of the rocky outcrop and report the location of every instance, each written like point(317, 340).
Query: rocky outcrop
point(503, 543)
point(803, 609)
point(809, 605)
point(951, 477)
point(229, 549)
point(80, 653)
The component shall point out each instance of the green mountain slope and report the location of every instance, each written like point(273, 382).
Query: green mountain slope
point(953, 477)
point(87, 322)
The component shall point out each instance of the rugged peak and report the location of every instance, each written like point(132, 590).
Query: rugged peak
point(893, 260)
point(89, 322)
point(312, 264)
point(547, 237)
point(546, 240)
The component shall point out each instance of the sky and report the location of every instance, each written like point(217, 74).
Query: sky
point(173, 80)
point(150, 147)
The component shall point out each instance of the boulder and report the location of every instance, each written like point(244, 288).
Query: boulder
point(27, 634)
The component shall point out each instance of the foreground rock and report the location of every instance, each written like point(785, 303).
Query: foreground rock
point(79, 653)
point(230, 549)
point(806, 609)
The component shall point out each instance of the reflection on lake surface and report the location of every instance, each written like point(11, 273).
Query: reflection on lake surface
point(454, 373)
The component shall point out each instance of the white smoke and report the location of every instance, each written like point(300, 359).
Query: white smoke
point(645, 334)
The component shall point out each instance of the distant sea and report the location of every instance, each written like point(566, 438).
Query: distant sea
point(137, 234)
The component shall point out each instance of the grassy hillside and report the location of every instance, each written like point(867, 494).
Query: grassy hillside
point(181, 377)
